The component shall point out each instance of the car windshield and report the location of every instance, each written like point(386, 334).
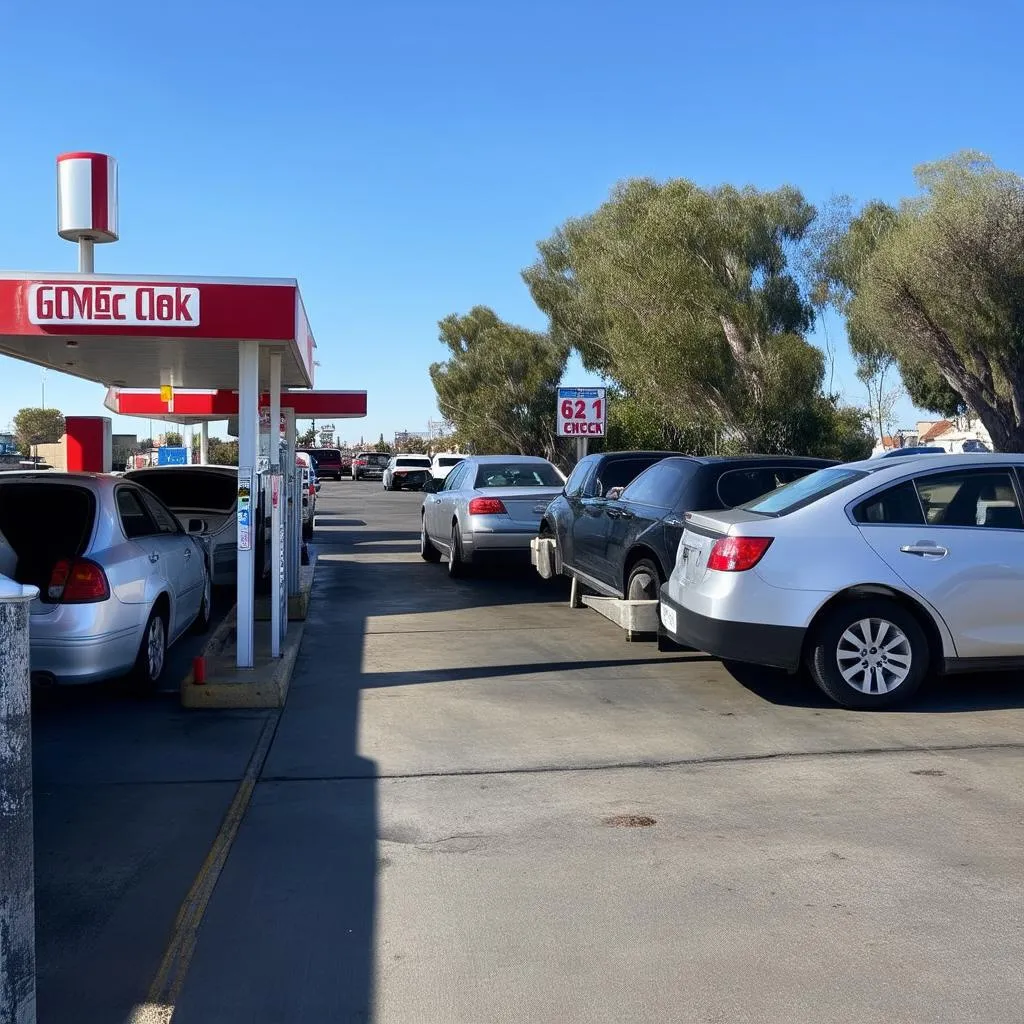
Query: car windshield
point(189, 489)
point(415, 463)
point(804, 491)
point(518, 474)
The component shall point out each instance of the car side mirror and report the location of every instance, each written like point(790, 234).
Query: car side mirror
point(431, 486)
point(196, 526)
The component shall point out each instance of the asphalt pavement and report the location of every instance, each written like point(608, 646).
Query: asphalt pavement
point(483, 806)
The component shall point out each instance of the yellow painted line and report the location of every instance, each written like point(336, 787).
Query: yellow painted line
point(170, 976)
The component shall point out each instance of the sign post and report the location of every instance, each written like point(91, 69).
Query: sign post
point(581, 413)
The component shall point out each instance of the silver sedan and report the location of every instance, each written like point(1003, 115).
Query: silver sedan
point(119, 579)
point(489, 505)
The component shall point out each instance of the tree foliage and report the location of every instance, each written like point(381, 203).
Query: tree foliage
point(34, 426)
point(222, 453)
point(498, 385)
point(683, 297)
point(942, 290)
point(307, 439)
point(172, 439)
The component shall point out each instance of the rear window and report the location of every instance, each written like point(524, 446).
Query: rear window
point(44, 523)
point(413, 463)
point(185, 489)
point(373, 458)
point(518, 474)
point(326, 456)
point(449, 462)
point(737, 486)
point(804, 491)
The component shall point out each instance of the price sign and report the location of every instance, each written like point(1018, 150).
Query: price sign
point(582, 412)
point(244, 518)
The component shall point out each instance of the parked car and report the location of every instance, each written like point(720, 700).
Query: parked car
point(205, 500)
point(369, 465)
point(489, 505)
point(443, 463)
point(626, 546)
point(119, 579)
point(873, 574)
point(406, 471)
point(327, 462)
point(899, 453)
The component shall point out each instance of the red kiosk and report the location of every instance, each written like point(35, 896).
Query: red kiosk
point(242, 336)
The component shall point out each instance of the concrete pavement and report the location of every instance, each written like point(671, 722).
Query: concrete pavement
point(482, 806)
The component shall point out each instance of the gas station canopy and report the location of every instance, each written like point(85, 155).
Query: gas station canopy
point(126, 331)
point(193, 407)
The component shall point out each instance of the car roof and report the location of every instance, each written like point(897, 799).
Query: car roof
point(755, 460)
point(178, 469)
point(489, 460)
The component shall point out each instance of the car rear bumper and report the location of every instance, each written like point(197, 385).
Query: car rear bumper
point(754, 642)
point(87, 659)
point(489, 541)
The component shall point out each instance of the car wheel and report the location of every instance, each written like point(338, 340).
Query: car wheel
point(428, 552)
point(644, 582)
point(456, 565)
point(202, 621)
point(869, 654)
point(149, 665)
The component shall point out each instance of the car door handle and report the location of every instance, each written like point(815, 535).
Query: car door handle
point(934, 550)
point(154, 557)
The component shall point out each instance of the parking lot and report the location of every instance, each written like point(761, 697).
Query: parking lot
point(480, 805)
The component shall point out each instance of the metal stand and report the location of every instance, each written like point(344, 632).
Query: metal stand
point(17, 883)
point(204, 443)
point(248, 443)
point(575, 594)
point(86, 256)
point(278, 584)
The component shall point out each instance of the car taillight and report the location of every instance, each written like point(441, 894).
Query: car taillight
point(737, 554)
point(487, 507)
point(77, 581)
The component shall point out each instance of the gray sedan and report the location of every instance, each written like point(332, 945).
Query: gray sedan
point(119, 579)
point(489, 505)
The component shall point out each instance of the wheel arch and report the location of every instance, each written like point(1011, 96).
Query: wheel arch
point(935, 633)
point(637, 553)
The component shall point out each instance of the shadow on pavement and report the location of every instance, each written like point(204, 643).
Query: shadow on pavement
point(993, 691)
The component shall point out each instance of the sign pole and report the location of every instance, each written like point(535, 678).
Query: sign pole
point(582, 444)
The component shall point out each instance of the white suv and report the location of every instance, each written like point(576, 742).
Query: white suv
point(443, 463)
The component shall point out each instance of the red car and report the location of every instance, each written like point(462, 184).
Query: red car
point(326, 461)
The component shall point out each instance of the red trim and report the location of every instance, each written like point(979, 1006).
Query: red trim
point(224, 404)
point(81, 156)
point(100, 168)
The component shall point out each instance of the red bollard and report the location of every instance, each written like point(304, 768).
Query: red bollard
point(199, 671)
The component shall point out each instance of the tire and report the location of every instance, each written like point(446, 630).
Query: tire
point(456, 564)
point(644, 581)
point(886, 682)
point(428, 552)
point(152, 656)
point(201, 623)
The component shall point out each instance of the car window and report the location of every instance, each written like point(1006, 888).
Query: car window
point(423, 463)
point(162, 516)
point(737, 486)
point(898, 505)
point(620, 473)
point(453, 461)
point(517, 474)
point(965, 498)
point(574, 485)
point(454, 479)
point(662, 484)
point(135, 520)
point(804, 491)
point(190, 489)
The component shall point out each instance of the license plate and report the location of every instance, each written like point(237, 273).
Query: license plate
point(691, 562)
point(668, 617)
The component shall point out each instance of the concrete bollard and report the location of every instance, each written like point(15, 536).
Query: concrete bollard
point(17, 887)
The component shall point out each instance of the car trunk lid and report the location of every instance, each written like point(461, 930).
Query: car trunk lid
point(699, 536)
point(524, 505)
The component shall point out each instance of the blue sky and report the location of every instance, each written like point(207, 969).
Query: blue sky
point(402, 159)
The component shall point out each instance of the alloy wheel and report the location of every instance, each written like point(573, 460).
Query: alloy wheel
point(874, 656)
point(156, 647)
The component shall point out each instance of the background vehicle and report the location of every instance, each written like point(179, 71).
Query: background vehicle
point(205, 501)
point(327, 462)
point(443, 463)
point(626, 547)
point(369, 465)
point(119, 579)
point(406, 471)
point(488, 505)
point(872, 573)
point(898, 453)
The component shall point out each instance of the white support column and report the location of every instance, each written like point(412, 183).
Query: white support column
point(204, 443)
point(278, 582)
point(248, 443)
point(293, 530)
